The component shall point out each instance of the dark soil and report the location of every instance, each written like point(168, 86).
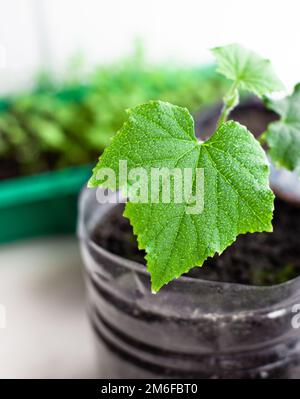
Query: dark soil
point(250, 113)
point(9, 168)
point(259, 259)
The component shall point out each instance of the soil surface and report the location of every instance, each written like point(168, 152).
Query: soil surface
point(8, 168)
point(250, 113)
point(256, 259)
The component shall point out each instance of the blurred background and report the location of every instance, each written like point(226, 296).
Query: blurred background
point(68, 70)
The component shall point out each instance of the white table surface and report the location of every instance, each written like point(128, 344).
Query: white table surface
point(47, 334)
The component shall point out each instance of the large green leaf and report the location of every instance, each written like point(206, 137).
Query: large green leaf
point(237, 198)
point(250, 71)
point(283, 136)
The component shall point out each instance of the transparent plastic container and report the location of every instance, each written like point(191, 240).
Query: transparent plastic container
point(192, 328)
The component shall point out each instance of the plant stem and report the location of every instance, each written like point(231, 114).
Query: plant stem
point(231, 100)
point(262, 139)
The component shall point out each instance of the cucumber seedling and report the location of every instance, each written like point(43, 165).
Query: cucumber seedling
point(234, 188)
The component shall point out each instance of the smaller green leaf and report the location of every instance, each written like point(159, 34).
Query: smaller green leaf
point(250, 71)
point(48, 132)
point(283, 136)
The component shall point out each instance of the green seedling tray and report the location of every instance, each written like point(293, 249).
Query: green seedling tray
point(42, 204)
point(45, 203)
